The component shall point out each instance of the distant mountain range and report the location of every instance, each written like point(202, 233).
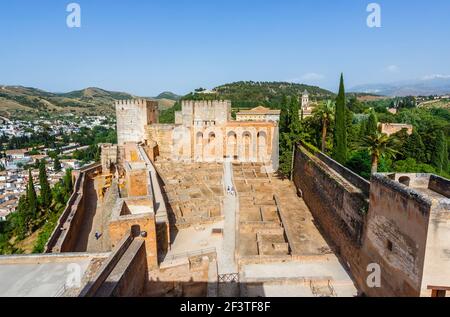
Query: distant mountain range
point(19, 101)
point(431, 85)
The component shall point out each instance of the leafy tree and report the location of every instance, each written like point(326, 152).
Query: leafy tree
point(354, 105)
point(46, 194)
point(411, 166)
point(360, 162)
point(379, 145)
point(325, 113)
point(340, 133)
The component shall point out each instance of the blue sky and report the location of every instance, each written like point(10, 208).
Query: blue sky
point(146, 47)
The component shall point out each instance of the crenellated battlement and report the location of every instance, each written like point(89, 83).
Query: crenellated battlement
point(206, 103)
point(130, 102)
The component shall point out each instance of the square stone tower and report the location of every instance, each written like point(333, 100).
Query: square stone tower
point(204, 113)
point(132, 117)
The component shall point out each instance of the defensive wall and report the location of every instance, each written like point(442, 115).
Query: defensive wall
point(65, 234)
point(123, 274)
point(396, 221)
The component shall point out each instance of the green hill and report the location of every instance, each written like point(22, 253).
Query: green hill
point(18, 101)
point(249, 94)
point(168, 95)
point(246, 94)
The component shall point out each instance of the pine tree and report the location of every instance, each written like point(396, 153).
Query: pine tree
point(340, 133)
point(372, 124)
point(438, 156)
point(46, 193)
point(31, 197)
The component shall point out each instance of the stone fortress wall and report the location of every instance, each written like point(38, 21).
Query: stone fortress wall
point(66, 233)
point(398, 225)
point(392, 128)
point(397, 221)
point(204, 113)
point(132, 117)
point(204, 132)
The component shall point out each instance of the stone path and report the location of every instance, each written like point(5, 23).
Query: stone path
point(227, 263)
point(96, 218)
point(90, 209)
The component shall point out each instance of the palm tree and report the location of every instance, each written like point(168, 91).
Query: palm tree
point(379, 145)
point(325, 113)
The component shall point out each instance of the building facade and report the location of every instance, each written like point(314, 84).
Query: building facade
point(203, 132)
point(392, 128)
point(259, 114)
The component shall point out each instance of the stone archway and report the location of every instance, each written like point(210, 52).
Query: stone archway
point(211, 147)
point(247, 144)
point(199, 147)
point(261, 146)
point(232, 149)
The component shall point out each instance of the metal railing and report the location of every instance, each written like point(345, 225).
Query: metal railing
point(228, 278)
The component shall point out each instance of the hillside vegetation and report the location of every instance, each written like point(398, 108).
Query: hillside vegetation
point(249, 94)
point(246, 94)
point(17, 101)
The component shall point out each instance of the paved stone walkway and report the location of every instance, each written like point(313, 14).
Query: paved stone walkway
point(227, 263)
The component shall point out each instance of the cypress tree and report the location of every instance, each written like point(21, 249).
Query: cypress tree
point(46, 193)
point(340, 130)
point(372, 124)
point(294, 120)
point(414, 147)
point(68, 186)
point(284, 116)
point(438, 157)
point(363, 129)
point(445, 162)
point(57, 164)
point(31, 197)
point(351, 132)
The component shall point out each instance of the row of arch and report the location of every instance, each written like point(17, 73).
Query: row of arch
point(241, 146)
